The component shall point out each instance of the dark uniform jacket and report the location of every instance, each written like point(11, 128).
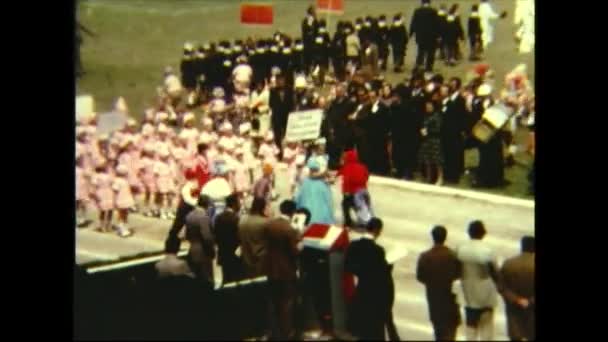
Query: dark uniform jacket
point(425, 25)
point(398, 37)
point(225, 230)
point(517, 280)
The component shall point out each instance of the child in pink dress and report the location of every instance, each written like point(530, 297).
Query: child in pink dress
point(123, 199)
point(165, 183)
point(146, 174)
point(268, 151)
point(104, 196)
point(290, 152)
point(207, 130)
point(242, 177)
point(82, 190)
point(189, 132)
point(131, 158)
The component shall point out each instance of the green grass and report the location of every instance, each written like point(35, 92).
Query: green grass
point(137, 39)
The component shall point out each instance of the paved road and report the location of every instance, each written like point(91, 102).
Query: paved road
point(408, 216)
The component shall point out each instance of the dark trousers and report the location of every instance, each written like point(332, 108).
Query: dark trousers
point(426, 55)
point(398, 57)
point(339, 68)
point(278, 129)
point(445, 332)
point(282, 295)
point(232, 269)
point(391, 329)
point(452, 51)
point(442, 49)
point(348, 203)
point(356, 61)
point(474, 46)
point(383, 58)
point(183, 209)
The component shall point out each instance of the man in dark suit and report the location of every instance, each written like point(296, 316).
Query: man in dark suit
point(425, 25)
point(280, 266)
point(437, 269)
point(281, 104)
point(309, 33)
point(452, 132)
point(369, 310)
point(376, 124)
point(383, 32)
point(517, 289)
point(398, 38)
point(338, 53)
point(225, 230)
point(340, 133)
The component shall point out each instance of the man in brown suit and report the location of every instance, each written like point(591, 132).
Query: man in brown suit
point(517, 289)
point(252, 239)
point(437, 269)
point(280, 266)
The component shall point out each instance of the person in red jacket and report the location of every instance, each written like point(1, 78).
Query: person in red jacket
point(354, 180)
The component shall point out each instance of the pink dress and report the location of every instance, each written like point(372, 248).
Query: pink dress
point(191, 135)
point(242, 182)
point(104, 195)
point(124, 197)
point(133, 163)
point(82, 185)
point(147, 174)
point(289, 157)
point(268, 153)
point(165, 177)
point(209, 135)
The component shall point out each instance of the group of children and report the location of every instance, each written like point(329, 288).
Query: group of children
point(143, 168)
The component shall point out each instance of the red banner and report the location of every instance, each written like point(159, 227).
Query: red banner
point(256, 14)
point(335, 6)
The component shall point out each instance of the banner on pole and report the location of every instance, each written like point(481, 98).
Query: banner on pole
point(330, 6)
point(257, 14)
point(304, 125)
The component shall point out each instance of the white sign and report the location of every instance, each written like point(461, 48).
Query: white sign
point(84, 106)
point(304, 125)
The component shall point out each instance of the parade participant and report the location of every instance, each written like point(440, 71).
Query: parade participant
point(103, 195)
point(82, 191)
point(290, 153)
point(453, 131)
point(189, 197)
point(172, 86)
point(123, 199)
point(524, 21)
point(474, 32)
point(298, 56)
point(441, 45)
point(399, 39)
point(430, 154)
point(453, 35)
point(263, 188)
point(315, 195)
point(320, 57)
point(148, 178)
point(218, 188)
point(479, 279)
point(370, 307)
point(486, 17)
point(354, 181)
point(353, 48)
point(425, 25)
point(383, 42)
point(309, 32)
point(207, 131)
point(268, 152)
point(202, 245)
point(319, 154)
point(187, 67)
point(242, 75)
point(165, 183)
point(189, 132)
point(225, 230)
point(242, 175)
point(281, 104)
point(437, 269)
point(338, 54)
point(280, 265)
point(517, 289)
point(130, 158)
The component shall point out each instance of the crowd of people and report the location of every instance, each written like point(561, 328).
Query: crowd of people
point(202, 175)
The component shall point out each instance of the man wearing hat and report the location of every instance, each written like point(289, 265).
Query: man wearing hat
point(309, 33)
point(187, 67)
point(425, 25)
point(399, 39)
point(383, 32)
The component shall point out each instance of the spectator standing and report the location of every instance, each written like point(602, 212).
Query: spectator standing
point(437, 269)
point(280, 266)
point(479, 279)
point(225, 230)
point(431, 156)
point(251, 237)
point(454, 114)
point(202, 249)
point(425, 26)
point(517, 289)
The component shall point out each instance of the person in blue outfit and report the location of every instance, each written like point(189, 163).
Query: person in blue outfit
point(315, 195)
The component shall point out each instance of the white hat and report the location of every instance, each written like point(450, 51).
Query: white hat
point(239, 151)
point(161, 116)
point(275, 70)
point(149, 147)
point(300, 82)
point(269, 136)
point(121, 105)
point(430, 87)
point(225, 127)
point(241, 59)
point(103, 137)
point(207, 121)
point(163, 151)
point(122, 169)
point(131, 122)
point(188, 46)
point(319, 40)
point(244, 128)
point(147, 130)
point(218, 92)
point(228, 144)
point(320, 141)
point(188, 117)
point(149, 114)
point(126, 141)
point(484, 90)
point(204, 139)
point(300, 159)
point(162, 128)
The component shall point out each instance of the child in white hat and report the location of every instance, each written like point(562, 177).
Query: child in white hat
point(104, 195)
point(207, 130)
point(130, 158)
point(190, 132)
point(123, 199)
point(146, 173)
point(165, 182)
point(242, 177)
point(268, 150)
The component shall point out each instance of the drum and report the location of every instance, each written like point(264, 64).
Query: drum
point(492, 120)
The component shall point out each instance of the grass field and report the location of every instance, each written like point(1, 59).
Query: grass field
point(137, 39)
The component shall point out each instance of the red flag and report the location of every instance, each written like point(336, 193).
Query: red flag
point(256, 14)
point(333, 6)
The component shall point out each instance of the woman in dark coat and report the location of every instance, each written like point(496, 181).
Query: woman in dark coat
point(430, 154)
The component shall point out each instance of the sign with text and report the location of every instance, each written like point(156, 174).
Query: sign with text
point(304, 125)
